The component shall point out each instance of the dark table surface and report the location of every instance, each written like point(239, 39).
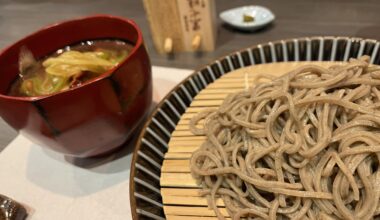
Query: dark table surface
point(294, 18)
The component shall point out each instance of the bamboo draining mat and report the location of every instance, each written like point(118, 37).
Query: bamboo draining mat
point(178, 189)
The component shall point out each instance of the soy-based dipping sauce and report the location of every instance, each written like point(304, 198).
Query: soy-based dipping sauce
point(68, 67)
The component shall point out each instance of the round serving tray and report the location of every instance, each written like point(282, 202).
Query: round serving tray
point(145, 196)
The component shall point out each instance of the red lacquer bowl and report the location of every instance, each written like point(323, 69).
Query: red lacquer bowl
point(91, 119)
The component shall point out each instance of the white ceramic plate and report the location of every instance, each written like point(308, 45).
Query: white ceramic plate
point(234, 17)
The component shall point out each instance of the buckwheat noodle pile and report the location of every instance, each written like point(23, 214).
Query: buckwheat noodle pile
point(302, 146)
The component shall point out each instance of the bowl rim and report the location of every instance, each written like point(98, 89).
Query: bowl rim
point(136, 46)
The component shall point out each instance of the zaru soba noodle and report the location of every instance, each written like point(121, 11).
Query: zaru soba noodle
point(302, 146)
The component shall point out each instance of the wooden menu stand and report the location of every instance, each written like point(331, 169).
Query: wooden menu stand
point(182, 25)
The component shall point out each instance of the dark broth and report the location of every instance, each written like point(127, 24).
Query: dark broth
point(36, 81)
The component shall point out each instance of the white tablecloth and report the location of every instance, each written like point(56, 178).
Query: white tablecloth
point(54, 187)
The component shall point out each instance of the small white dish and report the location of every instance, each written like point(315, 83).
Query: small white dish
point(234, 17)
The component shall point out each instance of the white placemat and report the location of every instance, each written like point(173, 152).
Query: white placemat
point(55, 187)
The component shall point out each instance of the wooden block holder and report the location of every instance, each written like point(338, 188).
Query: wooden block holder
point(182, 25)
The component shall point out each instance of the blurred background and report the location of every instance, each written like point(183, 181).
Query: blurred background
point(294, 18)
